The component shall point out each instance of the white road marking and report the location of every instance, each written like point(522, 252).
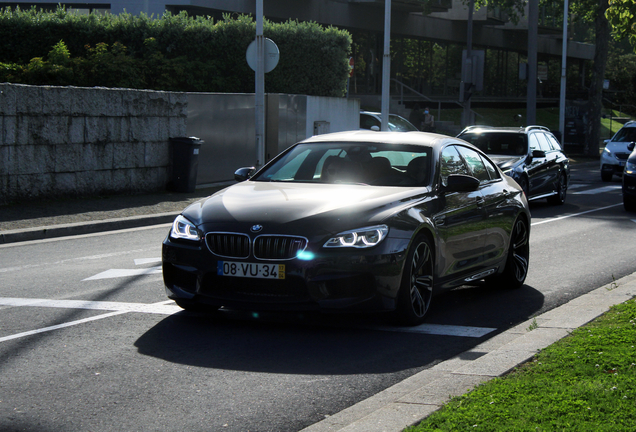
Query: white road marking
point(59, 326)
point(597, 190)
point(168, 308)
point(574, 214)
point(164, 308)
point(577, 185)
point(142, 261)
point(116, 273)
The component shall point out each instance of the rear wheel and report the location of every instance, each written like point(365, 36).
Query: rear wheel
point(416, 289)
point(561, 190)
point(516, 270)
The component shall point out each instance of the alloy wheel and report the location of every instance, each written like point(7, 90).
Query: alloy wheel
point(421, 279)
point(520, 251)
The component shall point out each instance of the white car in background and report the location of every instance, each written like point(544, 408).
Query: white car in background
point(373, 121)
point(615, 155)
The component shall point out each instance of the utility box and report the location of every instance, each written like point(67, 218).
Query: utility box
point(185, 163)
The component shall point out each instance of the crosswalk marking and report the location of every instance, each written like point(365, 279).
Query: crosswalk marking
point(116, 273)
point(169, 308)
point(597, 190)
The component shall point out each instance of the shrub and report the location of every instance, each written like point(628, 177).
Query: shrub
point(174, 52)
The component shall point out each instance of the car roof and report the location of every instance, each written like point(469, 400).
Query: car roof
point(508, 129)
point(379, 114)
point(366, 136)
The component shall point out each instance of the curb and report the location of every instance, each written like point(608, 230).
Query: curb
point(79, 228)
point(409, 402)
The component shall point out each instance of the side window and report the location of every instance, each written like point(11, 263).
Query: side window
point(543, 142)
point(475, 163)
point(367, 121)
point(451, 163)
point(554, 142)
point(533, 143)
point(492, 171)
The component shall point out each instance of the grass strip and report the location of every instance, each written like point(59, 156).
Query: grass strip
point(584, 382)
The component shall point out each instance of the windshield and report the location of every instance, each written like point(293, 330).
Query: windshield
point(626, 134)
point(373, 163)
point(398, 124)
point(498, 143)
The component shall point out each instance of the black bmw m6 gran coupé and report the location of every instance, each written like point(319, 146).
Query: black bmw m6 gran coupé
point(352, 221)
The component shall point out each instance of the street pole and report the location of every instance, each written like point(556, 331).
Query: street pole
point(386, 67)
point(564, 56)
point(260, 86)
point(533, 36)
point(467, 80)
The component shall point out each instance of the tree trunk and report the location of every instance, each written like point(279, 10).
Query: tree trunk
point(593, 127)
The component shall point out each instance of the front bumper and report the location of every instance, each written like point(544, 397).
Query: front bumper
point(610, 163)
point(348, 279)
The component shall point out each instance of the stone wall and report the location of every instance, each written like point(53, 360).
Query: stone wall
point(69, 141)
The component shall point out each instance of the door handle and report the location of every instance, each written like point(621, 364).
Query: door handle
point(439, 220)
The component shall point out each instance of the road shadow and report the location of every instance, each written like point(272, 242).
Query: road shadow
point(318, 344)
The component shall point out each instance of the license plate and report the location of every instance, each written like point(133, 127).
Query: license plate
point(250, 270)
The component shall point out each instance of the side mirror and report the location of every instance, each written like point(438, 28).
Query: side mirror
point(243, 174)
point(375, 128)
point(537, 154)
point(461, 183)
point(631, 146)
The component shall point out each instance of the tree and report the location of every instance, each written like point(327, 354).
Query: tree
point(610, 18)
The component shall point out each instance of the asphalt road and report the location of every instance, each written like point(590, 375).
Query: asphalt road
point(88, 341)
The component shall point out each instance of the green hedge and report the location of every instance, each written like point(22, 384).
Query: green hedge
point(174, 52)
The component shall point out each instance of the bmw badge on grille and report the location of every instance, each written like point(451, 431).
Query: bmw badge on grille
point(256, 228)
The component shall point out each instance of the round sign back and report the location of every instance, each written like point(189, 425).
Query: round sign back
point(270, 55)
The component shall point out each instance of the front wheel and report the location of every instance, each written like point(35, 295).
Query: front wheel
point(416, 289)
point(629, 203)
point(516, 270)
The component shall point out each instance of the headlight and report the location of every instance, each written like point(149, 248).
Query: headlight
point(630, 168)
point(608, 151)
point(360, 238)
point(183, 229)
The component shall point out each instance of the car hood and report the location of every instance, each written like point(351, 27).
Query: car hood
point(505, 162)
point(617, 147)
point(297, 207)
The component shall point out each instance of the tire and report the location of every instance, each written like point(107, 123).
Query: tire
point(516, 270)
point(561, 191)
point(606, 176)
point(629, 204)
point(416, 289)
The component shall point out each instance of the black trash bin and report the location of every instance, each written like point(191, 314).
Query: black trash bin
point(185, 163)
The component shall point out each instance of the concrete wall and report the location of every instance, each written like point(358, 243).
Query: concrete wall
point(65, 141)
point(70, 141)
